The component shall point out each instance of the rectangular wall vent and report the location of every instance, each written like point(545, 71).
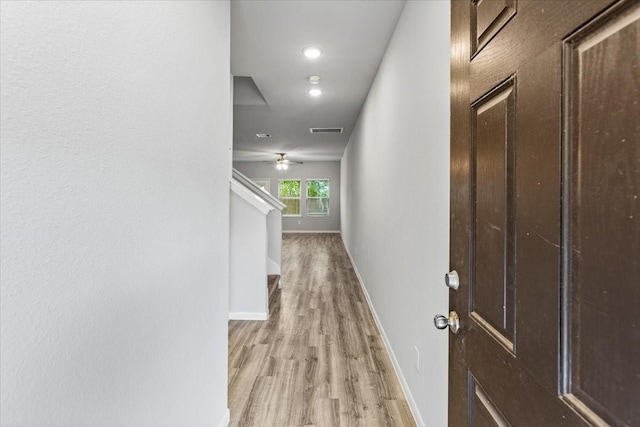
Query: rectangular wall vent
point(326, 130)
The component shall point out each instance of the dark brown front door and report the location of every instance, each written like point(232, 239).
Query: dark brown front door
point(545, 213)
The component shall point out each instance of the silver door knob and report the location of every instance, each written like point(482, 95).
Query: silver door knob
point(452, 322)
point(452, 280)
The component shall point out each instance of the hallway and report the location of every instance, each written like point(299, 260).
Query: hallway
point(319, 360)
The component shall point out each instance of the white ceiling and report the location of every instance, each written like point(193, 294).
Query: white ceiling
point(267, 39)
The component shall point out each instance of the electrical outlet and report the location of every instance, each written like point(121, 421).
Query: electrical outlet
point(299, 222)
point(417, 358)
point(356, 251)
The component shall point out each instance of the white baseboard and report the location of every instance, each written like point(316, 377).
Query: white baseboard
point(240, 315)
point(226, 419)
point(311, 231)
point(396, 366)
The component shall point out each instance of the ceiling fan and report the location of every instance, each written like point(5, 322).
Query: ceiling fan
point(282, 163)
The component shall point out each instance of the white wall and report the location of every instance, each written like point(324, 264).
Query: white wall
point(395, 199)
point(115, 166)
point(248, 296)
point(308, 170)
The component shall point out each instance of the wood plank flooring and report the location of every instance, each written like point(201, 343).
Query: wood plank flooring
point(319, 360)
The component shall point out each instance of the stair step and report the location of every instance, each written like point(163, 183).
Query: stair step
point(272, 284)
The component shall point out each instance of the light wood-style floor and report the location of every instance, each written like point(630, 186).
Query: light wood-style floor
point(319, 360)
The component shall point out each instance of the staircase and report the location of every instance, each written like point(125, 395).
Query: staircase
point(273, 282)
point(255, 249)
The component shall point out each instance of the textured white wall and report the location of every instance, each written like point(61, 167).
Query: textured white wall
point(395, 199)
point(308, 170)
point(248, 298)
point(115, 166)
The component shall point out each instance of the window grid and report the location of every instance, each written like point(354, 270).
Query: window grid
point(317, 197)
point(289, 193)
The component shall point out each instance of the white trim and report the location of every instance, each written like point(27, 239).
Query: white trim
point(226, 419)
point(243, 315)
point(299, 198)
point(247, 195)
point(306, 190)
point(396, 366)
point(257, 190)
point(310, 231)
point(267, 183)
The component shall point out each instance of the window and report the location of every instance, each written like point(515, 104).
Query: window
point(263, 183)
point(318, 197)
point(289, 194)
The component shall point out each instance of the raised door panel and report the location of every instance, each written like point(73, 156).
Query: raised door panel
point(484, 412)
point(488, 17)
point(537, 26)
point(602, 222)
point(492, 282)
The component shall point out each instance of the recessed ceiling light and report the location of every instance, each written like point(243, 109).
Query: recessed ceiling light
point(314, 80)
point(315, 92)
point(311, 52)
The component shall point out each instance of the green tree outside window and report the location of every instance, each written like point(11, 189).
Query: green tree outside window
point(289, 194)
point(318, 197)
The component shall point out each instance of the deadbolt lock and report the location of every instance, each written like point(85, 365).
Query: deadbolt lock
point(452, 280)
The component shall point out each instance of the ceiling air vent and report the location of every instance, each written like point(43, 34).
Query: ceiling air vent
point(326, 130)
